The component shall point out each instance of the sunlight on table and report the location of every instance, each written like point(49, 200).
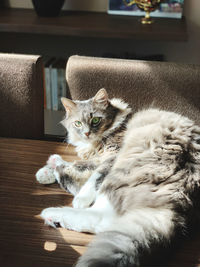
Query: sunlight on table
point(50, 246)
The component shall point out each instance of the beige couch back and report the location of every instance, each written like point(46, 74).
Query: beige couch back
point(142, 84)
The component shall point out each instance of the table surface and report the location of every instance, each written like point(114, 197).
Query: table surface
point(24, 239)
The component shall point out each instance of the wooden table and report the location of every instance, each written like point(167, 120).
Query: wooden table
point(24, 239)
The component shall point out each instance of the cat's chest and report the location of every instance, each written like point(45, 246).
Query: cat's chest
point(82, 148)
point(86, 150)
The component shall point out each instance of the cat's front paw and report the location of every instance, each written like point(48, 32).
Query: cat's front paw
point(45, 175)
point(53, 217)
point(82, 201)
point(54, 161)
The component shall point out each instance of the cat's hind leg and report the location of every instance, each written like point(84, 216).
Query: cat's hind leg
point(95, 219)
point(73, 219)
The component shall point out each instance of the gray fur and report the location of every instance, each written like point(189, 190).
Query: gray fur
point(106, 138)
point(73, 176)
point(149, 165)
point(111, 249)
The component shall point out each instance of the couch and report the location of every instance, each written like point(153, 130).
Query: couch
point(142, 84)
point(21, 96)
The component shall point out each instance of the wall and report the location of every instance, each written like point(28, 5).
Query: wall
point(189, 51)
point(173, 51)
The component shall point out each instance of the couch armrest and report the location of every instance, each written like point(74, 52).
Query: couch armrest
point(21, 96)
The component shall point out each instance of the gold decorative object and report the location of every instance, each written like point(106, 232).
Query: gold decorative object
point(146, 5)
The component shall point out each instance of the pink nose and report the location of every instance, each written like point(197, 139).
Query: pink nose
point(87, 134)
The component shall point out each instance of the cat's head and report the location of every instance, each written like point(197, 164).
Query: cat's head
point(87, 121)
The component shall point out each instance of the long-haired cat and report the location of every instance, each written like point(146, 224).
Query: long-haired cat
point(137, 183)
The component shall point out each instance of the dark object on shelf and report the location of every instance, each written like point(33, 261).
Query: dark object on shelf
point(48, 8)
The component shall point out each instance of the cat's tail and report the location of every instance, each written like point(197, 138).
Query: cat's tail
point(111, 249)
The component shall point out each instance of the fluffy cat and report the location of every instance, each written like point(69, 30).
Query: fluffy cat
point(137, 183)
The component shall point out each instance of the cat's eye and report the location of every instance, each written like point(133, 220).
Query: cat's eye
point(78, 123)
point(95, 121)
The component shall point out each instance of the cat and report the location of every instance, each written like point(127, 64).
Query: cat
point(137, 184)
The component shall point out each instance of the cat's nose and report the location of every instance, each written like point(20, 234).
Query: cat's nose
point(87, 134)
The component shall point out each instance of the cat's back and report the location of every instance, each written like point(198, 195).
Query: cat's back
point(157, 117)
point(159, 148)
point(151, 128)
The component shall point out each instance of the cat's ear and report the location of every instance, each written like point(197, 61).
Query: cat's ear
point(68, 104)
point(101, 98)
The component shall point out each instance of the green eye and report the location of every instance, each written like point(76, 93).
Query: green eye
point(78, 123)
point(95, 121)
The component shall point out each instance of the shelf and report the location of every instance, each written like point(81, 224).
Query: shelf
point(92, 24)
point(52, 121)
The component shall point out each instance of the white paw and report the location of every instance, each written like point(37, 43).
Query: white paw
point(83, 200)
point(54, 161)
point(45, 175)
point(53, 217)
